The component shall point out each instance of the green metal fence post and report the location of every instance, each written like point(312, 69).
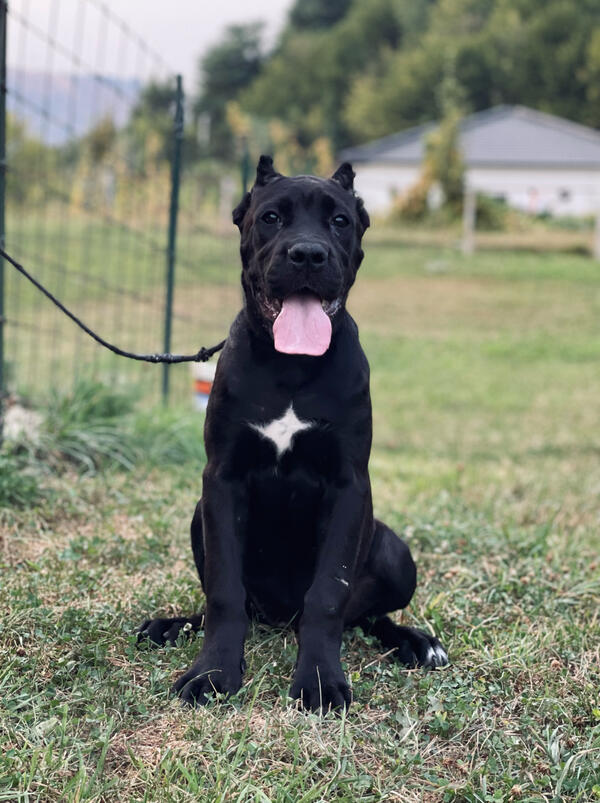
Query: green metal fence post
point(172, 232)
point(3, 21)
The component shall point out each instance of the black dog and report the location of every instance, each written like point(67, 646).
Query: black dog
point(285, 530)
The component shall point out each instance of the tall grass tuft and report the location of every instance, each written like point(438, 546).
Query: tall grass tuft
point(92, 428)
point(87, 428)
point(169, 436)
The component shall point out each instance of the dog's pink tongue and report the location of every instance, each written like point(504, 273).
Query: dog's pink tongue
point(302, 326)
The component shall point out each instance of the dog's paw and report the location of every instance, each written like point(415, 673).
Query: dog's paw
point(320, 689)
point(165, 631)
point(205, 678)
point(417, 648)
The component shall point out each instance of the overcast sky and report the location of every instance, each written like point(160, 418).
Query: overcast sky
point(179, 30)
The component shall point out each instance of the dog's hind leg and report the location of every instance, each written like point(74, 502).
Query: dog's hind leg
point(197, 536)
point(410, 646)
point(165, 631)
point(388, 584)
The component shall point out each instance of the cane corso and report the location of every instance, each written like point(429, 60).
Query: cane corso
point(285, 530)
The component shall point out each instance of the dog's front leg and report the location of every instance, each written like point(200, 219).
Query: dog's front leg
point(220, 664)
point(319, 681)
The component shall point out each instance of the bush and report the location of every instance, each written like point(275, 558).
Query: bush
point(412, 206)
point(491, 214)
point(94, 427)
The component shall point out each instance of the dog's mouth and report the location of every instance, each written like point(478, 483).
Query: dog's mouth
point(271, 307)
point(301, 322)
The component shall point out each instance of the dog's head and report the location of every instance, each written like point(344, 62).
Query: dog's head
point(301, 248)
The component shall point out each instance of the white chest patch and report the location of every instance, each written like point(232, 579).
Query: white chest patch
point(281, 431)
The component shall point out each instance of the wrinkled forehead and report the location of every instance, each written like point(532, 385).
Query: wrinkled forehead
point(303, 191)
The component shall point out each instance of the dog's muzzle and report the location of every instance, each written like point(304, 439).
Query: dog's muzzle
point(308, 256)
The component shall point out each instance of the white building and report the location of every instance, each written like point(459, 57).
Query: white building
point(533, 161)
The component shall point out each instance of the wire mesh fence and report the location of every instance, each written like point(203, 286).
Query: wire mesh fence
point(90, 138)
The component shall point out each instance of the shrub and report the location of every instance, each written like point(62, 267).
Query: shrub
point(491, 214)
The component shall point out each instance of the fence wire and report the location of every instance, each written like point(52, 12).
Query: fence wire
point(89, 143)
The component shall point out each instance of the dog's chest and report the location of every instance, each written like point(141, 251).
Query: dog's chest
point(282, 431)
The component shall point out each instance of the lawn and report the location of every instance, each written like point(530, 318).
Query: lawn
point(486, 392)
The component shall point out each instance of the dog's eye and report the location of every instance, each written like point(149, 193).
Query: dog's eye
point(270, 217)
point(341, 221)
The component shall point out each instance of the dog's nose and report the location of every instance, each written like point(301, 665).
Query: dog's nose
point(307, 255)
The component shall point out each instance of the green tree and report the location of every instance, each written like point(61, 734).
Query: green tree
point(351, 70)
point(149, 132)
point(443, 159)
point(306, 82)
point(399, 94)
point(548, 71)
point(226, 69)
point(539, 53)
point(27, 160)
point(592, 78)
point(290, 87)
point(148, 137)
point(101, 139)
point(413, 17)
point(316, 14)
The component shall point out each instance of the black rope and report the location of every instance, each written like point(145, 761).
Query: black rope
point(202, 355)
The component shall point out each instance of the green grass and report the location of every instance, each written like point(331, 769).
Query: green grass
point(486, 396)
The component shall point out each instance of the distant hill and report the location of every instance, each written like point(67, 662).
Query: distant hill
point(60, 107)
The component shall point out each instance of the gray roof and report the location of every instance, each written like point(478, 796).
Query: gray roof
point(506, 136)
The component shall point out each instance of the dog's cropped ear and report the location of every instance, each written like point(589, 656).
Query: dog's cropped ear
point(344, 175)
point(363, 215)
point(265, 172)
point(240, 210)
